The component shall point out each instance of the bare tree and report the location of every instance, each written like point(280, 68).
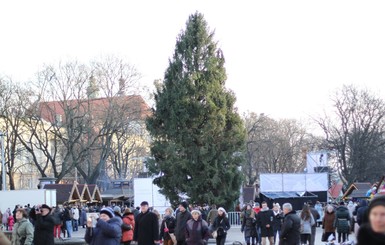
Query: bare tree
point(355, 131)
point(275, 146)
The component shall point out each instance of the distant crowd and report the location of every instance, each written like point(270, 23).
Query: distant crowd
point(194, 225)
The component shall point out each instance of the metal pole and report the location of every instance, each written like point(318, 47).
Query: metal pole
point(3, 162)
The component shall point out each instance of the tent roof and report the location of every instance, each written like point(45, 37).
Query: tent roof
point(288, 194)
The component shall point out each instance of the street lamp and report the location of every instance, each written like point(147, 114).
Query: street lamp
point(3, 161)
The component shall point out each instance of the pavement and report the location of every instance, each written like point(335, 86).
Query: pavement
point(233, 235)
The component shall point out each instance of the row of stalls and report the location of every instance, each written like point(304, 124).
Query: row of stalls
point(76, 193)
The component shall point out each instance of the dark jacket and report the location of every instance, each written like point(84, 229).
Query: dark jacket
point(170, 222)
point(342, 221)
point(180, 228)
point(290, 231)
point(265, 218)
point(315, 214)
point(249, 223)
point(277, 221)
point(105, 233)
point(44, 230)
point(197, 232)
point(146, 228)
point(367, 236)
point(362, 212)
point(221, 224)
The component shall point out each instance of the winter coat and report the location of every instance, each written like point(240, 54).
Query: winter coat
point(105, 233)
point(11, 221)
point(83, 217)
point(362, 212)
point(290, 231)
point(181, 222)
point(44, 230)
point(57, 217)
point(307, 224)
point(197, 232)
point(221, 224)
point(212, 215)
point(146, 228)
point(23, 231)
point(5, 217)
point(277, 221)
point(342, 220)
point(265, 218)
point(328, 221)
point(316, 215)
point(129, 220)
point(249, 223)
point(170, 221)
point(366, 236)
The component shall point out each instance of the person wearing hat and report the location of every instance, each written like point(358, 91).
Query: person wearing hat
point(197, 229)
point(146, 230)
point(44, 225)
point(181, 221)
point(373, 232)
point(107, 231)
point(221, 225)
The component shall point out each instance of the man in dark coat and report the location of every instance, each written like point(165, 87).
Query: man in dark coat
point(265, 220)
point(290, 231)
point(316, 217)
point(362, 212)
point(146, 231)
point(181, 221)
point(44, 225)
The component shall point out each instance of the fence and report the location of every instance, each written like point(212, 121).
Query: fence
point(234, 218)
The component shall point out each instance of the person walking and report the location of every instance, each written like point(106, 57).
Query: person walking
point(107, 230)
point(221, 225)
point(44, 225)
point(277, 221)
point(328, 224)
point(57, 217)
point(197, 230)
point(128, 226)
point(23, 230)
point(67, 220)
point(265, 220)
point(75, 218)
point(167, 227)
point(316, 216)
point(146, 230)
point(213, 213)
point(181, 221)
point(249, 223)
point(342, 222)
point(290, 231)
point(373, 232)
point(307, 221)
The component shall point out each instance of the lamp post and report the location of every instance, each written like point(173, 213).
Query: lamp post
point(3, 162)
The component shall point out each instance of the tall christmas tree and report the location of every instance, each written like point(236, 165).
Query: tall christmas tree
point(197, 134)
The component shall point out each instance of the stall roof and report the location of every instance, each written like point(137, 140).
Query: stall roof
point(357, 190)
point(288, 194)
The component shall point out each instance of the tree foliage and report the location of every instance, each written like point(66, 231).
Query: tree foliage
point(355, 131)
point(197, 134)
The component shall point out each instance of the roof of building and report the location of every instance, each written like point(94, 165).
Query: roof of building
point(134, 106)
point(357, 190)
point(64, 192)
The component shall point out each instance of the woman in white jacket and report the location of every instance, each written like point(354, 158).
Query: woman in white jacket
point(307, 221)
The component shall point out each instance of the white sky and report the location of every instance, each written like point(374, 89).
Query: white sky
point(283, 58)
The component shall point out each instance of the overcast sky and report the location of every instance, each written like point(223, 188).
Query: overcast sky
point(283, 58)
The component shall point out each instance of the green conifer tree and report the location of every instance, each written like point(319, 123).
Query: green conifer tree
point(197, 134)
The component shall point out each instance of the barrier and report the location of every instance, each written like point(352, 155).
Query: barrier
point(234, 218)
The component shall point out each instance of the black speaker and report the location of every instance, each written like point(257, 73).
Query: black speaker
point(321, 169)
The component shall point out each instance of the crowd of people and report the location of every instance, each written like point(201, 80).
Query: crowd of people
point(189, 225)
